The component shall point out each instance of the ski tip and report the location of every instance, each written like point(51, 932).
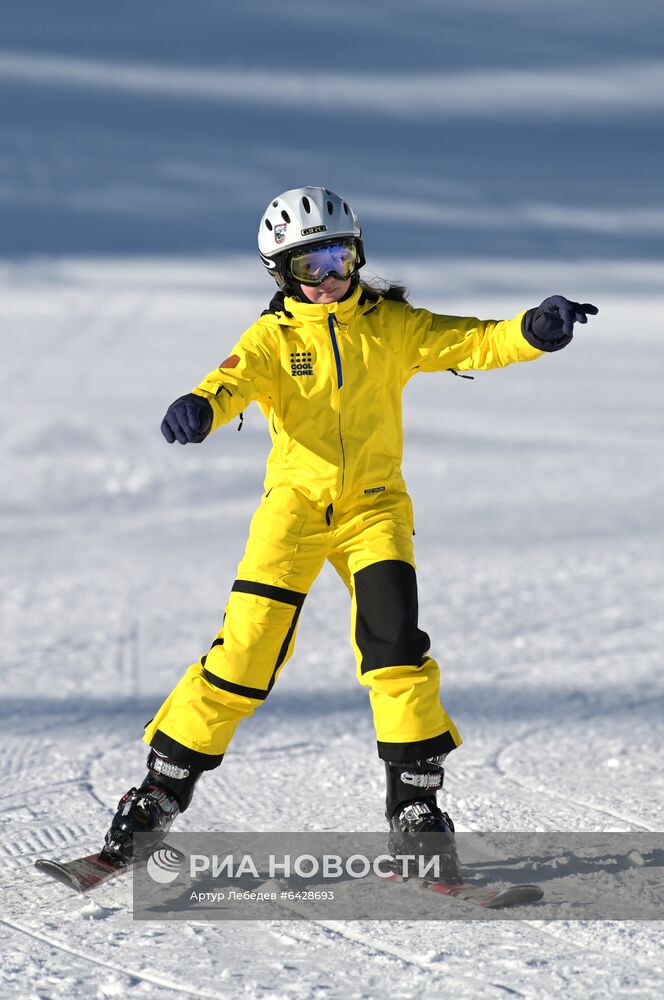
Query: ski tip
point(58, 872)
point(515, 895)
point(82, 874)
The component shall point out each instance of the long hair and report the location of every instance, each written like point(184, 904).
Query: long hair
point(379, 287)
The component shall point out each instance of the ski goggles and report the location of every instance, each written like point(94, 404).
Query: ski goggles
point(311, 267)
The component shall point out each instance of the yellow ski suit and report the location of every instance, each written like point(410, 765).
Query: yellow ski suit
point(329, 379)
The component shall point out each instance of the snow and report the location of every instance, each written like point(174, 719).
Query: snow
point(536, 494)
point(137, 155)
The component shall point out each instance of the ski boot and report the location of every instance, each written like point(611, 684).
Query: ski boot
point(417, 825)
point(165, 792)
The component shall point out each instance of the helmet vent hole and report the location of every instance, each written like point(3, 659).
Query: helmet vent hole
point(330, 208)
point(285, 216)
point(346, 210)
point(268, 224)
point(306, 204)
point(275, 204)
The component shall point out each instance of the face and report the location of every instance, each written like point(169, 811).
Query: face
point(330, 290)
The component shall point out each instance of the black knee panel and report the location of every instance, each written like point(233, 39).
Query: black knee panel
point(386, 630)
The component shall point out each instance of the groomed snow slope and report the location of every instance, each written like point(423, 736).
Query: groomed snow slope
point(537, 494)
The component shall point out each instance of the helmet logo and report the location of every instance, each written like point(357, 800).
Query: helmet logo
point(280, 232)
point(312, 230)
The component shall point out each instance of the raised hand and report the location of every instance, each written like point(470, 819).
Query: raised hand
point(550, 326)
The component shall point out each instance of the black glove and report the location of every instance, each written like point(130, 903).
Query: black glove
point(550, 327)
point(188, 419)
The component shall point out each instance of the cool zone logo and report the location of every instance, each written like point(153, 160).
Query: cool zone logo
point(301, 363)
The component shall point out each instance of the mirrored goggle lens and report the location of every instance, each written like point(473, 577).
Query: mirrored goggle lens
point(313, 266)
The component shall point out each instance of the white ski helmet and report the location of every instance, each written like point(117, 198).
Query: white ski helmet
point(300, 217)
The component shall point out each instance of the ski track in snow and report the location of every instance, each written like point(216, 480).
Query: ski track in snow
point(603, 814)
point(135, 977)
point(542, 602)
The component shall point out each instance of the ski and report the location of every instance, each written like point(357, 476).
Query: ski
point(478, 895)
point(83, 874)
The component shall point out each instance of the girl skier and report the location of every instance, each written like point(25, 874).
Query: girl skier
point(326, 363)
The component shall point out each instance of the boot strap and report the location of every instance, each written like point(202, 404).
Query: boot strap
point(160, 765)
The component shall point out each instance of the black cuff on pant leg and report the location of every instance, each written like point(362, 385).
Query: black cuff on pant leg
point(181, 754)
point(420, 750)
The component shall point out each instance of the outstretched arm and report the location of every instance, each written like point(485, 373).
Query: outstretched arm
point(434, 343)
point(244, 376)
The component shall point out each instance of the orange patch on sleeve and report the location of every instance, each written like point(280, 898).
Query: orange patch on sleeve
point(231, 362)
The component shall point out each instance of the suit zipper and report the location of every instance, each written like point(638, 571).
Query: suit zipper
point(335, 350)
point(340, 382)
